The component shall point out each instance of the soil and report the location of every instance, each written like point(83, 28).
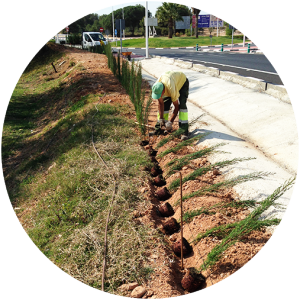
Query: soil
point(165, 280)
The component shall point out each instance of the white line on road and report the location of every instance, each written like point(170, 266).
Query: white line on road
point(204, 61)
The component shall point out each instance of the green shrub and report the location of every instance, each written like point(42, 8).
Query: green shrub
point(188, 32)
point(164, 31)
point(228, 31)
point(74, 39)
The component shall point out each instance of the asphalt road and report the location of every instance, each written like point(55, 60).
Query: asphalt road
point(250, 65)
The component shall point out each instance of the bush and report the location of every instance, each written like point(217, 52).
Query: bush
point(188, 32)
point(97, 49)
point(74, 39)
point(177, 34)
point(228, 31)
point(164, 31)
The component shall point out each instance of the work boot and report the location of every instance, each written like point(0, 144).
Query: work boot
point(185, 136)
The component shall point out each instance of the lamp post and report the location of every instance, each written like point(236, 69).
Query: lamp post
point(146, 25)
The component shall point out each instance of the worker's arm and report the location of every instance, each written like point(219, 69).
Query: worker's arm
point(175, 112)
point(161, 107)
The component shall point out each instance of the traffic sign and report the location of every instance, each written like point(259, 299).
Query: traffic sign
point(194, 21)
point(116, 32)
point(101, 29)
point(67, 29)
point(120, 24)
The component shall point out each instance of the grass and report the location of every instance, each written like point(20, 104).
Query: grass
point(62, 188)
point(164, 42)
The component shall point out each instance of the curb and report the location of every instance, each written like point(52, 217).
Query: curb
point(277, 91)
point(202, 48)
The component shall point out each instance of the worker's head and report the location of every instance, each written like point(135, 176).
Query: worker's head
point(157, 90)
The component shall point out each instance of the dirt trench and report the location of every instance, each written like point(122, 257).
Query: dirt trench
point(163, 213)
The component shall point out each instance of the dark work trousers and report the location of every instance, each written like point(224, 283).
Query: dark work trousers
point(183, 112)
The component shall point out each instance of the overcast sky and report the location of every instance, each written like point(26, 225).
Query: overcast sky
point(152, 6)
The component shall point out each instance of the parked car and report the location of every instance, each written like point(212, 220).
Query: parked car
point(90, 39)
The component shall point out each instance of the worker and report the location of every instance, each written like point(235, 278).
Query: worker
point(170, 87)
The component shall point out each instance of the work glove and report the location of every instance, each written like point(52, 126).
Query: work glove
point(169, 125)
point(161, 122)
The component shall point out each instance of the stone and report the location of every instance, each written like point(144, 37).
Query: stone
point(128, 286)
point(143, 190)
point(136, 214)
point(138, 292)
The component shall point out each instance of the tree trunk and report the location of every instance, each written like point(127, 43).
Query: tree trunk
point(196, 12)
point(197, 26)
point(170, 24)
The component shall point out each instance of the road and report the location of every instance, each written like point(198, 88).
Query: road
point(250, 65)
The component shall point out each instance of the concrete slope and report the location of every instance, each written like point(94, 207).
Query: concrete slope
point(252, 124)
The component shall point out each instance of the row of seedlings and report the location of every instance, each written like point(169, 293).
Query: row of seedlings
point(192, 280)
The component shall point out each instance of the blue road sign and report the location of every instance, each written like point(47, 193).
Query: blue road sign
point(116, 32)
point(203, 21)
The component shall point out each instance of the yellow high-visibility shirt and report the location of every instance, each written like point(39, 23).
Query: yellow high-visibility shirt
point(173, 82)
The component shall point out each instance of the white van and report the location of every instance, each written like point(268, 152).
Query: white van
point(90, 39)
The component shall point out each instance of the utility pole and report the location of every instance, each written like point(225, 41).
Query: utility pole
point(146, 25)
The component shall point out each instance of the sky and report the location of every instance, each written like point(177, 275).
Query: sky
point(152, 6)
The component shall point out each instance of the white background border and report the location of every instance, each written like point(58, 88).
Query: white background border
point(25, 272)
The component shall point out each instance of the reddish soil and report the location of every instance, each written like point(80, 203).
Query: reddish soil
point(165, 281)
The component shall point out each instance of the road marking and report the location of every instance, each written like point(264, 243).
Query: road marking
point(204, 61)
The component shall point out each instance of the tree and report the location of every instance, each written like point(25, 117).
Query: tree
point(132, 15)
point(196, 12)
point(81, 24)
point(169, 12)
